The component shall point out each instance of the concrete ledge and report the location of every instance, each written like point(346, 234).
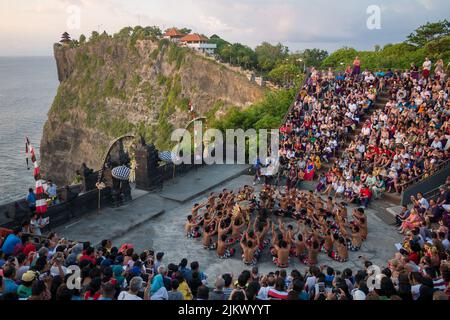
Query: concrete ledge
point(110, 223)
point(126, 229)
point(394, 210)
point(203, 180)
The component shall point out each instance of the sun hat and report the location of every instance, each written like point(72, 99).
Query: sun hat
point(359, 295)
point(29, 276)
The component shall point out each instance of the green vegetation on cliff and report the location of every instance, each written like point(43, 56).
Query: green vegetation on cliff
point(133, 81)
point(94, 84)
point(431, 40)
point(266, 114)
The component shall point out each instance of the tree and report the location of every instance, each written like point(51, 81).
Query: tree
point(377, 48)
point(270, 55)
point(222, 50)
point(185, 30)
point(439, 47)
point(243, 55)
point(314, 57)
point(429, 32)
point(94, 36)
point(153, 31)
point(124, 32)
point(344, 55)
point(82, 39)
point(284, 73)
point(225, 53)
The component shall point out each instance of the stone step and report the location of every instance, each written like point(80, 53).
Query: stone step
point(393, 198)
point(384, 211)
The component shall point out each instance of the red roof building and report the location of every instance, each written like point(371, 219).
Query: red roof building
point(194, 38)
point(198, 42)
point(173, 34)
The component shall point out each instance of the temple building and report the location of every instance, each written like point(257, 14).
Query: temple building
point(173, 35)
point(65, 38)
point(198, 42)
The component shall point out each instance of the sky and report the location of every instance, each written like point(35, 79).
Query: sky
point(30, 27)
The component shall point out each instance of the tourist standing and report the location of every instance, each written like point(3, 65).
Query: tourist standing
point(31, 200)
point(51, 191)
point(356, 66)
point(426, 68)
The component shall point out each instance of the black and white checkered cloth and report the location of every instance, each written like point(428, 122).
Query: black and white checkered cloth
point(121, 173)
point(165, 156)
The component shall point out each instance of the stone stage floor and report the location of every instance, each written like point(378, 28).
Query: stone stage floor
point(165, 232)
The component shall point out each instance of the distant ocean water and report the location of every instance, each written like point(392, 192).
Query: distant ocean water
point(27, 88)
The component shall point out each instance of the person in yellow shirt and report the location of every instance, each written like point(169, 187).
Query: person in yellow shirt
point(184, 287)
point(317, 162)
point(421, 108)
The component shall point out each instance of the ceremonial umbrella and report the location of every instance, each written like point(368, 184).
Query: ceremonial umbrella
point(165, 156)
point(121, 173)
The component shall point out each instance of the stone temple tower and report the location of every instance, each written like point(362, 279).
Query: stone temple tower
point(148, 177)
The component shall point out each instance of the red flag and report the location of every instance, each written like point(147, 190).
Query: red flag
point(41, 203)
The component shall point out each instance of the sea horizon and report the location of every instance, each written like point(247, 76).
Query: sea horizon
point(28, 85)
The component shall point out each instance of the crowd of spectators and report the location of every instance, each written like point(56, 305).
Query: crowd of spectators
point(393, 145)
point(405, 139)
point(40, 269)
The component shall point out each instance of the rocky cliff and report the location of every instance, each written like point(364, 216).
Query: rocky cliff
point(110, 86)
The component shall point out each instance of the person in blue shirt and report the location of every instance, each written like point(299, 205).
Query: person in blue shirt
point(412, 105)
point(31, 200)
point(2, 259)
point(108, 291)
point(257, 166)
point(298, 292)
point(9, 285)
point(380, 73)
point(185, 271)
point(329, 277)
point(12, 241)
point(389, 74)
point(195, 267)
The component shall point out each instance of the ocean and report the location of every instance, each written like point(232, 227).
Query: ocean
point(27, 88)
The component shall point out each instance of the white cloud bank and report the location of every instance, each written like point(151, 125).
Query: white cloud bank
point(30, 27)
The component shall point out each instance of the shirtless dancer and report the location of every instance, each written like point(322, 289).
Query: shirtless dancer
point(249, 249)
point(360, 221)
point(261, 228)
point(223, 248)
point(191, 228)
point(208, 232)
point(301, 250)
point(354, 244)
point(341, 252)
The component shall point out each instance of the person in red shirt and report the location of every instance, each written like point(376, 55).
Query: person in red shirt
point(89, 254)
point(365, 195)
point(28, 245)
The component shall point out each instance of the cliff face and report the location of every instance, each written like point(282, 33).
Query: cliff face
point(113, 86)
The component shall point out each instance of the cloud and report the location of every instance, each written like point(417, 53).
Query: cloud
point(31, 26)
point(428, 4)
